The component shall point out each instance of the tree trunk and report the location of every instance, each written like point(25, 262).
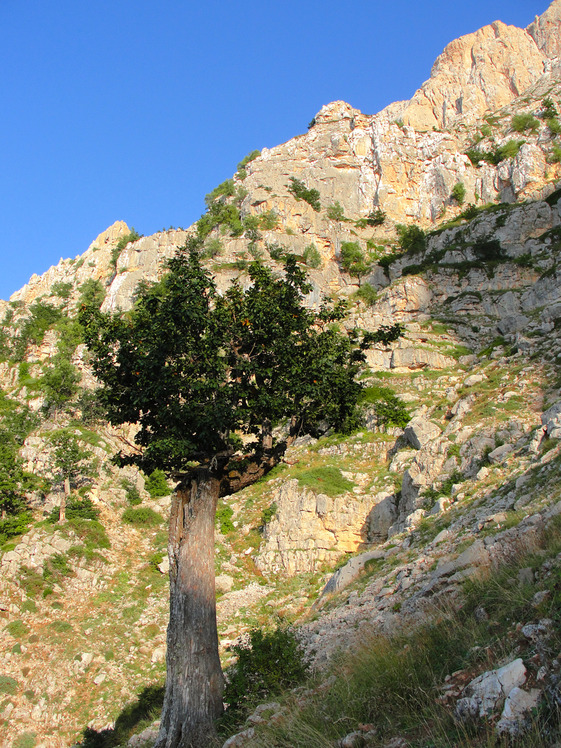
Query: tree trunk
point(194, 681)
point(63, 499)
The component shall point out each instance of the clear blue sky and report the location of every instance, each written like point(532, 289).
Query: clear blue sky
point(135, 109)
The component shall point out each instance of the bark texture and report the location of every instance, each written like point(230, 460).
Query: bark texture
point(194, 683)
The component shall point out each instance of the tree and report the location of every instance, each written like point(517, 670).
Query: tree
point(70, 460)
point(207, 378)
point(354, 261)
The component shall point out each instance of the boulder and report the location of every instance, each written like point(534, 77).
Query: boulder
point(420, 430)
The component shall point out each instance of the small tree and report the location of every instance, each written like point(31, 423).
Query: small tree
point(196, 370)
point(459, 193)
point(354, 260)
point(69, 460)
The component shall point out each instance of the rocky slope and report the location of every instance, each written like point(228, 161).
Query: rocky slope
point(479, 296)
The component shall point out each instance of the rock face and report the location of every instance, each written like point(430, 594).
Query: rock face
point(545, 30)
point(476, 73)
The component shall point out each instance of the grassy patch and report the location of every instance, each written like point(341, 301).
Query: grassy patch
point(328, 480)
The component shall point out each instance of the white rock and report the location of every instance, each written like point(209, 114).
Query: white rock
point(518, 707)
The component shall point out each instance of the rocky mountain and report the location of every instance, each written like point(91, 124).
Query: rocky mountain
point(442, 213)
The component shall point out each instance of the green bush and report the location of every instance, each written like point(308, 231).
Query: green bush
point(224, 514)
point(268, 220)
point(13, 525)
point(142, 516)
point(132, 236)
point(524, 123)
point(8, 684)
point(508, 150)
point(301, 192)
point(411, 238)
point(549, 110)
point(390, 410)
point(157, 485)
point(376, 217)
point(354, 261)
point(554, 126)
point(242, 173)
point(555, 157)
point(76, 508)
point(90, 531)
point(267, 663)
point(17, 629)
point(335, 212)
point(268, 513)
point(328, 480)
point(92, 293)
point(312, 257)
point(459, 193)
point(62, 290)
point(367, 294)
point(25, 740)
point(42, 317)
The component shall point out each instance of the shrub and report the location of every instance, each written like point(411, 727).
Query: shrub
point(90, 531)
point(92, 293)
point(132, 493)
point(25, 740)
point(376, 217)
point(42, 317)
point(459, 193)
point(13, 525)
point(508, 150)
point(142, 516)
point(524, 123)
point(157, 485)
point(367, 294)
point(224, 189)
point(268, 220)
point(555, 157)
point(76, 508)
point(354, 261)
point(335, 212)
point(277, 252)
point(212, 248)
point(268, 662)
point(8, 684)
point(62, 290)
point(390, 410)
point(554, 126)
point(132, 236)
point(17, 629)
point(549, 110)
point(328, 480)
point(242, 173)
point(268, 513)
point(469, 213)
point(312, 257)
point(224, 514)
point(301, 192)
point(411, 238)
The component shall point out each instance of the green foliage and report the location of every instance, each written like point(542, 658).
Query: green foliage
point(268, 220)
point(459, 193)
point(69, 459)
point(555, 156)
point(488, 250)
point(242, 173)
point(335, 212)
point(132, 493)
point(8, 684)
point(76, 508)
point(212, 248)
point(17, 629)
point(376, 217)
point(524, 122)
point(469, 213)
point(92, 293)
point(192, 367)
point(508, 150)
point(221, 214)
point(411, 238)
point(267, 663)
point(59, 384)
point(142, 516)
point(13, 525)
point(90, 531)
point(390, 410)
point(277, 252)
point(62, 290)
point(367, 294)
point(353, 260)
point(328, 480)
point(301, 192)
point(224, 514)
point(25, 740)
point(157, 485)
point(312, 257)
point(549, 109)
point(32, 331)
point(554, 126)
point(132, 236)
point(224, 189)
point(268, 513)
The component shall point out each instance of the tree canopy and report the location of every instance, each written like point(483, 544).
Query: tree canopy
point(200, 371)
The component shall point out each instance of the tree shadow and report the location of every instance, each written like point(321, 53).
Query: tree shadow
point(146, 708)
